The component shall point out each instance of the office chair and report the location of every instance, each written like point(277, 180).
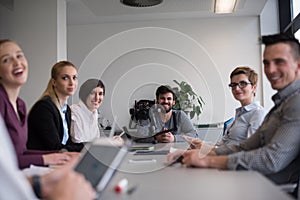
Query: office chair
point(292, 188)
point(227, 123)
point(298, 195)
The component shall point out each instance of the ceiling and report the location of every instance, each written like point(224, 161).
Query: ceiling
point(105, 11)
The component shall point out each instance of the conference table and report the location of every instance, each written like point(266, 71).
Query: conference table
point(149, 177)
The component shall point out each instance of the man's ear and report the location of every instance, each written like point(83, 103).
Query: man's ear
point(298, 68)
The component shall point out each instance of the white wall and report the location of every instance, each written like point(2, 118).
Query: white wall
point(35, 26)
point(134, 58)
point(5, 22)
point(269, 25)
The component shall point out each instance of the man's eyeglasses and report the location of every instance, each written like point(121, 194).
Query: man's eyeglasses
point(241, 84)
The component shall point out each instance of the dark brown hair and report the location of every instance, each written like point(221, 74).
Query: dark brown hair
point(163, 89)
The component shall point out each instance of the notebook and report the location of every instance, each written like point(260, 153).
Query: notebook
point(99, 160)
point(142, 147)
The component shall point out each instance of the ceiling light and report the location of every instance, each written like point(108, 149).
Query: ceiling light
point(224, 6)
point(141, 3)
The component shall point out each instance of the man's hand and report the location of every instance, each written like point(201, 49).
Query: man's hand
point(165, 137)
point(173, 157)
point(195, 158)
point(191, 158)
point(195, 143)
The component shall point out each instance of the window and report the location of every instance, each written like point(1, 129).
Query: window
point(296, 8)
point(289, 16)
point(297, 34)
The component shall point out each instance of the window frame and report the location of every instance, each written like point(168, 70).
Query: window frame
point(288, 24)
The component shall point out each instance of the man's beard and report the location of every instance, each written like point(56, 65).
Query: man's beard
point(170, 108)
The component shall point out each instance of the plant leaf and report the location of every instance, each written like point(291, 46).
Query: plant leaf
point(187, 100)
point(192, 114)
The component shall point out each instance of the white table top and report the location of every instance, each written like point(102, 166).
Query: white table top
point(154, 179)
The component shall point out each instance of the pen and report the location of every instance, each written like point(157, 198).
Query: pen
point(131, 190)
point(122, 185)
point(123, 132)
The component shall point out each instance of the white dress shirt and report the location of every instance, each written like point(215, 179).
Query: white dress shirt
point(65, 124)
point(84, 126)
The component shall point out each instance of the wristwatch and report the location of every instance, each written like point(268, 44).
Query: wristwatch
point(36, 184)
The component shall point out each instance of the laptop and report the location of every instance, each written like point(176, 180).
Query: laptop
point(99, 160)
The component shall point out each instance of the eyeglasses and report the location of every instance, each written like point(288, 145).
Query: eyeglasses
point(241, 84)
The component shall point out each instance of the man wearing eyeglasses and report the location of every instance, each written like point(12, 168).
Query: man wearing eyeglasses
point(273, 149)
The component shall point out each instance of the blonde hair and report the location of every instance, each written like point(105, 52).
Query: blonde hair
point(49, 91)
point(2, 41)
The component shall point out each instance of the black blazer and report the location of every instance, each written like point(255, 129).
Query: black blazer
point(45, 127)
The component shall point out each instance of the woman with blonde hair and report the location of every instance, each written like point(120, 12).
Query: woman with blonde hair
point(13, 75)
point(49, 119)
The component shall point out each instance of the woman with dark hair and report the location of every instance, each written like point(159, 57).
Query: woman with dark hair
point(49, 120)
point(84, 126)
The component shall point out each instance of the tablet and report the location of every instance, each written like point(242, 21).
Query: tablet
point(99, 161)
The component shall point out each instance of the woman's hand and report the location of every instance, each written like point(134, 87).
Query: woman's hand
point(56, 158)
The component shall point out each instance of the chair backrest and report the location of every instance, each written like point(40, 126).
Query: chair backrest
point(298, 190)
point(226, 124)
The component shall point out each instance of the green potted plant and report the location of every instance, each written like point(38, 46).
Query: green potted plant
point(187, 100)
